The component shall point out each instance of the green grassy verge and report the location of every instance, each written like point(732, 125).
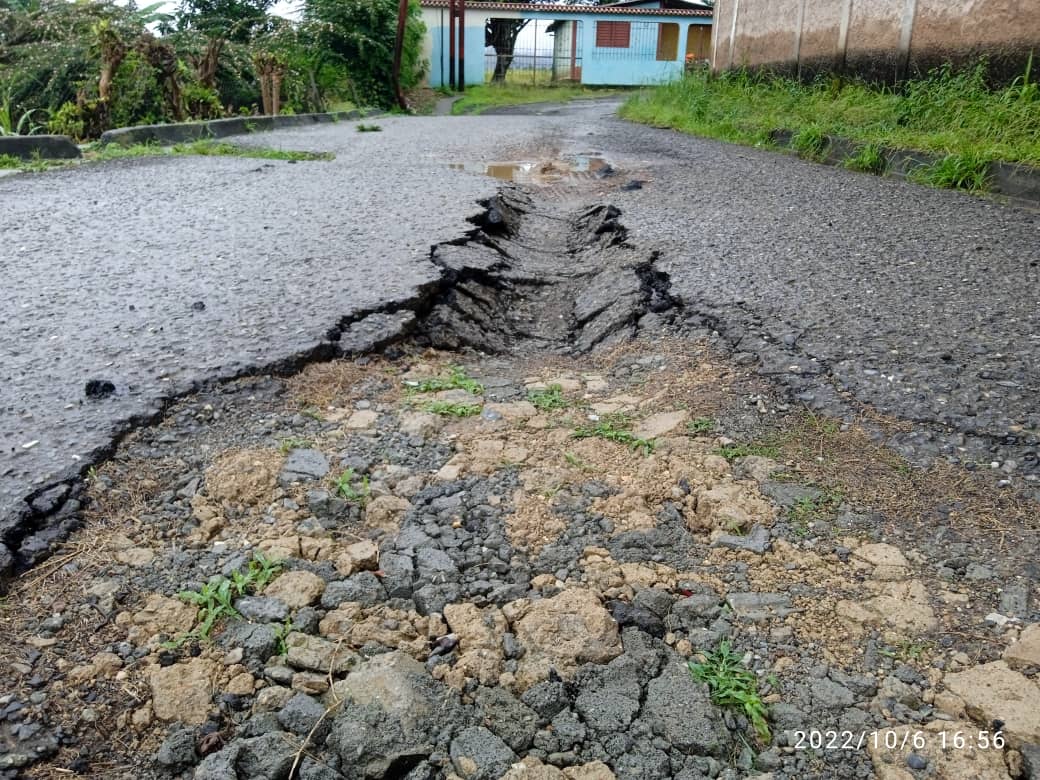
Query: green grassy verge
point(479, 98)
point(954, 114)
point(202, 148)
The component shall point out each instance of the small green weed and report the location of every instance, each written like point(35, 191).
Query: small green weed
point(615, 427)
point(281, 633)
point(449, 409)
point(313, 413)
point(548, 399)
point(907, 650)
point(733, 685)
point(807, 511)
point(578, 463)
point(292, 443)
point(963, 171)
point(215, 599)
point(351, 489)
point(363, 128)
point(456, 380)
point(9, 162)
point(809, 142)
point(733, 451)
point(869, 158)
point(224, 149)
point(699, 426)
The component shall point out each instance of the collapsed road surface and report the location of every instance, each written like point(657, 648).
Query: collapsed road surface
point(128, 283)
point(559, 511)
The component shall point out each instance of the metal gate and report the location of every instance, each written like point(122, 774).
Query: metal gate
point(553, 58)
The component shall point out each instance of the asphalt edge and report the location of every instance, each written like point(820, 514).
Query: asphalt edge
point(43, 147)
point(1020, 184)
point(166, 135)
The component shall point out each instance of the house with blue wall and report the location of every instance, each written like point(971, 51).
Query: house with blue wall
point(633, 43)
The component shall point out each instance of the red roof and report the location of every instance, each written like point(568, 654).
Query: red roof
point(572, 9)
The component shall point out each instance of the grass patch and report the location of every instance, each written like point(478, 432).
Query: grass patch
point(953, 113)
point(215, 600)
point(479, 98)
point(285, 446)
point(456, 380)
point(869, 158)
point(363, 128)
point(615, 427)
point(351, 489)
point(9, 162)
point(961, 171)
point(449, 409)
point(733, 685)
point(700, 426)
point(733, 451)
point(808, 511)
point(549, 399)
point(810, 142)
point(224, 149)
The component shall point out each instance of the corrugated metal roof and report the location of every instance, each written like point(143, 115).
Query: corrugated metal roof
point(595, 10)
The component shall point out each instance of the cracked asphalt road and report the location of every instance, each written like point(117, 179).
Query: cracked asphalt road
point(924, 304)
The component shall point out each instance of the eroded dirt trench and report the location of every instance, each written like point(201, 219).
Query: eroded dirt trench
point(488, 541)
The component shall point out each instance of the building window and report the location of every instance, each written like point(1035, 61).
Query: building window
point(612, 35)
point(667, 42)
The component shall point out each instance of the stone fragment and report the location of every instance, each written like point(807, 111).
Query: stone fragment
point(360, 556)
point(660, 424)
point(313, 653)
point(477, 754)
point(760, 606)
point(386, 511)
point(261, 609)
point(756, 540)
point(363, 418)
point(184, 691)
point(679, 710)
point(1026, 651)
point(994, 692)
point(296, 589)
point(303, 465)
point(564, 632)
point(965, 761)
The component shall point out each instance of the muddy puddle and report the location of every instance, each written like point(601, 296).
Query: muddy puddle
point(541, 172)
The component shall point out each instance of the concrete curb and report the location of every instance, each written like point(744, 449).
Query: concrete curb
point(165, 135)
point(1018, 183)
point(46, 147)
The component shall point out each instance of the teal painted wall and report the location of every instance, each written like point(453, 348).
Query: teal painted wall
point(635, 66)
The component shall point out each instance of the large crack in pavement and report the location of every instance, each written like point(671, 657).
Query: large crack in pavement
point(501, 288)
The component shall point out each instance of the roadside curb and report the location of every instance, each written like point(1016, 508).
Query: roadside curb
point(45, 147)
point(165, 135)
point(1019, 183)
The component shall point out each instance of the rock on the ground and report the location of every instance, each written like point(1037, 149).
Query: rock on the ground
point(1026, 651)
point(303, 465)
point(994, 692)
point(949, 764)
point(564, 632)
point(477, 754)
point(183, 692)
point(313, 653)
point(296, 588)
point(679, 710)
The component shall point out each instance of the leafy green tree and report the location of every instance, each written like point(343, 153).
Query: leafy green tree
point(359, 36)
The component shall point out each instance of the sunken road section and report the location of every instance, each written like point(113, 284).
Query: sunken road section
point(529, 277)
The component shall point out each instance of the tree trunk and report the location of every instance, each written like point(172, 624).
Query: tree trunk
point(276, 90)
point(501, 33)
point(206, 67)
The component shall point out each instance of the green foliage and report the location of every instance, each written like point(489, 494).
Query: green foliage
point(285, 446)
point(360, 35)
point(947, 112)
point(236, 20)
point(449, 409)
point(224, 149)
point(456, 380)
point(869, 158)
point(363, 128)
point(8, 162)
point(808, 511)
point(966, 171)
point(733, 685)
point(615, 427)
point(733, 451)
point(809, 142)
point(549, 399)
point(699, 426)
point(215, 599)
point(349, 488)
